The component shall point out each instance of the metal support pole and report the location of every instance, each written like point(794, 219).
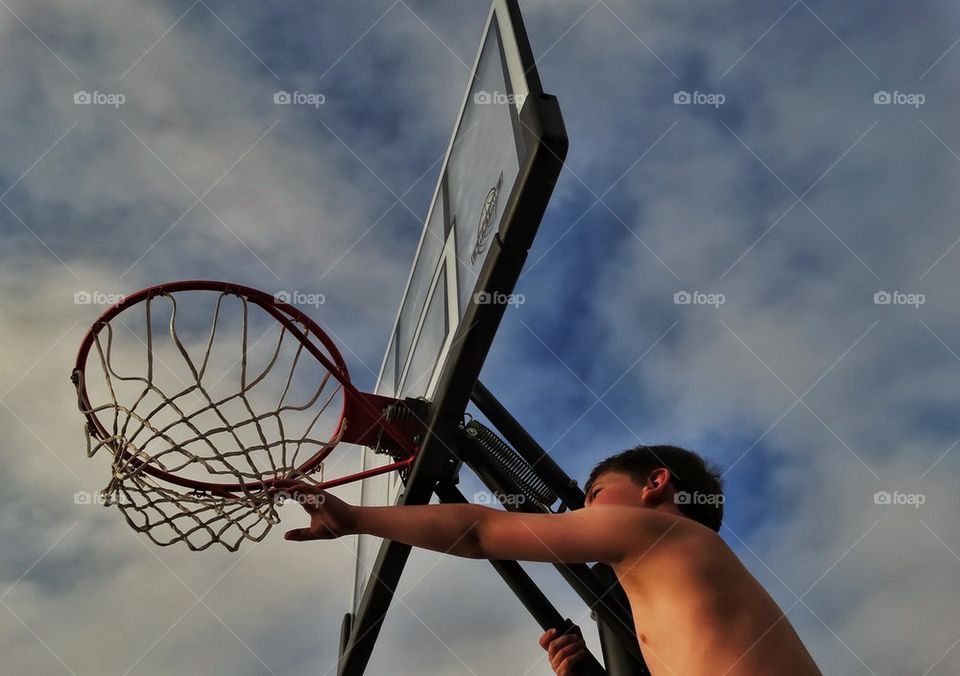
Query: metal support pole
point(515, 435)
point(528, 593)
point(618, 620)
point(618, 660)
point(595, 594)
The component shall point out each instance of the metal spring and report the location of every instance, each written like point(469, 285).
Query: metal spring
point(511, 462)
point(398, 412)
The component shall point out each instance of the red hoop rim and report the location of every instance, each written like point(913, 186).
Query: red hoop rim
point(281, 311)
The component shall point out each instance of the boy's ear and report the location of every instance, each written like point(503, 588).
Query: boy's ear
point(657, 482)
point(659, 477)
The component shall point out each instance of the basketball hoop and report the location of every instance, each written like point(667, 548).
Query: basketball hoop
point(209, 421)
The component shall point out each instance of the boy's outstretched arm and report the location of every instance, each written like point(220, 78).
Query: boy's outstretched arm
point(604, 533)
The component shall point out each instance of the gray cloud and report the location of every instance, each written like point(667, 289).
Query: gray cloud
point(291, 213)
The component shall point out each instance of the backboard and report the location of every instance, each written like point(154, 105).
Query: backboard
point(499, 170)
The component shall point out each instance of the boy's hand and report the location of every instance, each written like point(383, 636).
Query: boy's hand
point(330, 517)
point(563, 651)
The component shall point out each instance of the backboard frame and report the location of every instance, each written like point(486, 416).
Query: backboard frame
point(540, 128)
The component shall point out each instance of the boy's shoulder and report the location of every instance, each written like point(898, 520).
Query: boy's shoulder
point(653, 519)
point(660, 534)
point(653, 528)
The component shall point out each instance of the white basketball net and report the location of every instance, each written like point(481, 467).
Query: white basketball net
point(173, 416)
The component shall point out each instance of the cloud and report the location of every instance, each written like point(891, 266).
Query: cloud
point(702, 198)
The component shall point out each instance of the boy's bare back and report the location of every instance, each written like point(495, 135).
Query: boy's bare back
point(697, 609)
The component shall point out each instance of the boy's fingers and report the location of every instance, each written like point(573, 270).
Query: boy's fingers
point(566, 627)
point(567, 664)
point(564, 642)
point(566, 653)
point(554, 646)
point(299, 534)
point(567, 649)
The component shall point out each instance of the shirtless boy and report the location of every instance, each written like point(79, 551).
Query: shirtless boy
point(652, 513)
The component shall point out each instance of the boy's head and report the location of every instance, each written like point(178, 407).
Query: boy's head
point(653, 475)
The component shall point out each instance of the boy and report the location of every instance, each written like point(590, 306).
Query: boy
point(651, 513)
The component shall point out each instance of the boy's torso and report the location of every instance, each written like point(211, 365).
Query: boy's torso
point(699, 611)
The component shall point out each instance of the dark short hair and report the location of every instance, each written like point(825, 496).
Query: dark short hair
point(688, 470)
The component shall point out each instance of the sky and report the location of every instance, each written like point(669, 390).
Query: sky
point(752, 252)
